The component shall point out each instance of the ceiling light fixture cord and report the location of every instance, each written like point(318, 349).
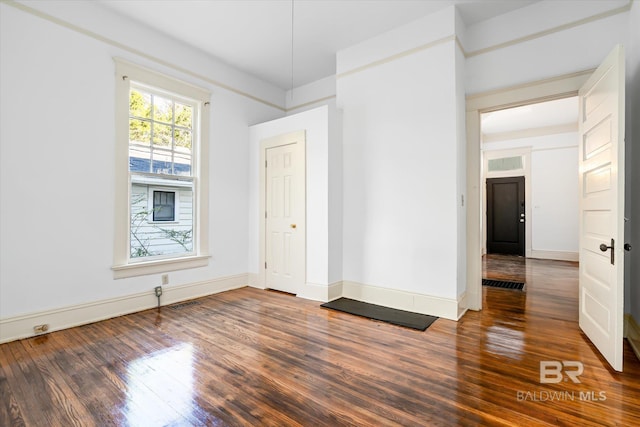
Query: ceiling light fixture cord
point(291, 95)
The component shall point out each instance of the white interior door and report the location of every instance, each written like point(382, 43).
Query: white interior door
point(601, 171)
point(284, 215)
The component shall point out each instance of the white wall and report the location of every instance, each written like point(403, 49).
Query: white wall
point(400, 152)
point(461, 155)
point(312, 95)
point(560, 51)
point(554, 192)
point(319, 124)
point(91, 19)
point(57, 162)
point(554, 188)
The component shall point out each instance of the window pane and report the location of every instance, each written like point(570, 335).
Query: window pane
point(162, 109)
point(139, 104)
point(162, 162)
point(182, 164)
point(163, 205)
point(139, 158)
point(162, 135)
point(184, 114)
point(139, 131)
point(149, 207)
point(182, 140)
point(140, 230)
point(505, 164)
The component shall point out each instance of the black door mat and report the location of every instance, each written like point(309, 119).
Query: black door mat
point(503, 284)
point(385, 314)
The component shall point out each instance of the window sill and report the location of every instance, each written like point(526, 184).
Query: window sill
point(159, 266)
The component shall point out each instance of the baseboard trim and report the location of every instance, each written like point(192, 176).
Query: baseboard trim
point(318, 292)
point(402, 300)
point(314, 292)
point(462, 305)
point(632, 333)
point(555, 255)
point(19, 327)
point(254, 281)
point(335, 291)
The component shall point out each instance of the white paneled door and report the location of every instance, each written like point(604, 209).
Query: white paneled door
point(601, 171)
point(284, 214)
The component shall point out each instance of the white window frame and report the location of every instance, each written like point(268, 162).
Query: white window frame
point(123, 265)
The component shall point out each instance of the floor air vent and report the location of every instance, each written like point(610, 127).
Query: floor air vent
point(503, 284)
point(182, 305)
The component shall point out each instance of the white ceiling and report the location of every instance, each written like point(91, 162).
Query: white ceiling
point(544, 114)
point(255, 35)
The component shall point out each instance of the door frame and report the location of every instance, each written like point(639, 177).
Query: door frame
point(297, 137)
point(525, 153)
point(515, 96)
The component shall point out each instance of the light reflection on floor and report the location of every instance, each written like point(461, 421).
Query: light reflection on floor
point(160, 387)
point(505, 341)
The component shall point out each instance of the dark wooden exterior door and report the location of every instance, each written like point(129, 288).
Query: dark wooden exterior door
point(505, 216)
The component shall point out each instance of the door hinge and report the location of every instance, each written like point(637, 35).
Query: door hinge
point(265, 265)
point(265, 214)
point(265, 163)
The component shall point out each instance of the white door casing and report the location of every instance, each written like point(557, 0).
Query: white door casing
point(601, 169)
point(524, 94)
point(283, 231)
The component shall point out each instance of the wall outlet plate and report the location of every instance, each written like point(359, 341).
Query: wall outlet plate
point(39, 329)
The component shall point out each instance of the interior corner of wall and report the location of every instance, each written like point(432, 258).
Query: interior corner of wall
point(314, 292)
point(254, 280)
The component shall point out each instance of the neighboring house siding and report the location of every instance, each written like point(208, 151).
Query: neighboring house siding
point(147, 233)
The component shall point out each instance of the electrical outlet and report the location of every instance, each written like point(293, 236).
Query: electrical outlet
point(158, 290)
point(39, 329)
point(165, 279)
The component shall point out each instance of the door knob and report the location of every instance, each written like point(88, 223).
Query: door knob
point(293, 226)
point(627, 247)
point(604, 247)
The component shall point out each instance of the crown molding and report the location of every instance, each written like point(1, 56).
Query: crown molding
point(114, 43)
point(530, 133)
point(553, 30)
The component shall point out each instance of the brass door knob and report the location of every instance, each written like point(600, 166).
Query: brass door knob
point(293, 226)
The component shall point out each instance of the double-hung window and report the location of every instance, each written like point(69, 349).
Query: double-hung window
point(161, 173)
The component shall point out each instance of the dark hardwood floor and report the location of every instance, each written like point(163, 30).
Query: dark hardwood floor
point(251, 357)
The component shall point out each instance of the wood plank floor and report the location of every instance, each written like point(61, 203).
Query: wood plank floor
point(252, 357)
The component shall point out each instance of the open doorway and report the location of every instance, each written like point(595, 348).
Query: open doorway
point(601, 190)
point(529, 186)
